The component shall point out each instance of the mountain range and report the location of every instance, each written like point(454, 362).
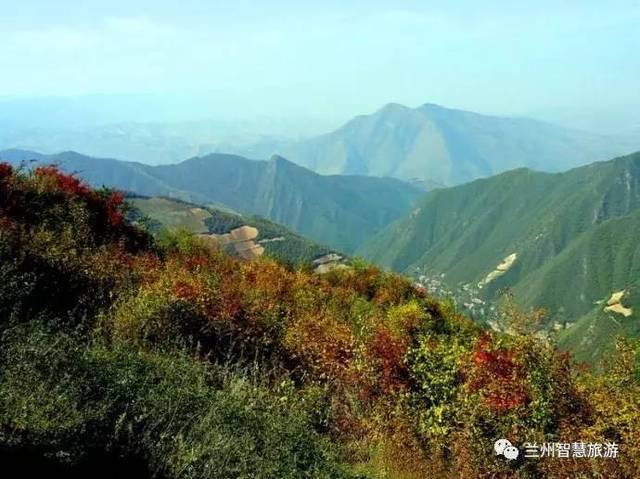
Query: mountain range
point(339, 211)
point(445, 146)
point(430, 145)
point(564, 241)
point(530, 230)
point(128, 356)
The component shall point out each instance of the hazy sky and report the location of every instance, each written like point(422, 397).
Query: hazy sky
point(330, 58)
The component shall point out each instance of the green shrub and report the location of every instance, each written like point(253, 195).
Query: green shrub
point(188, 420)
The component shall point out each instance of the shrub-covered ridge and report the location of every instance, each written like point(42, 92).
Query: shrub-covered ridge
point(176, 360)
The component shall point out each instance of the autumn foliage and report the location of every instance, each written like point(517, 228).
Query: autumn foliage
point(399, 384)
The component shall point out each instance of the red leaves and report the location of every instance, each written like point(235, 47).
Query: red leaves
point(232, 308)
point(65, 183)
point(6, 224)
point(6, 170)
point(114, 203)
point(185, 291)
point(499, 363)
point(498, 375)
point(195, 263)
point(69, 185)
point(420, 291)
point(388, 352)
point(323, 345)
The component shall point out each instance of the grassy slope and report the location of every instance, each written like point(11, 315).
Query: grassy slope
point(604, 259)
point(467, 230)
point(341, 211)
point(171, 214)
point(183, 362)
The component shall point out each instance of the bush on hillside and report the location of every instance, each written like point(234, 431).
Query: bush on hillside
point(191, 363)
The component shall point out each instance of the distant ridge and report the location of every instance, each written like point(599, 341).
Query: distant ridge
point(448, 146)
point(339, 211)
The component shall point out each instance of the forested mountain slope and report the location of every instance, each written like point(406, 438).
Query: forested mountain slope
point(122, 355)
point(339, 211)
point(559, 241)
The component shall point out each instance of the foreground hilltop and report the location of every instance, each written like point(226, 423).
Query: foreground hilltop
point(122, 355)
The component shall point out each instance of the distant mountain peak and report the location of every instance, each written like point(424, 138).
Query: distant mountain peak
point(278, 159)
point(280, 162)
point(433, 143)
point(393, 107)
point(447, 112)
point(434, 106)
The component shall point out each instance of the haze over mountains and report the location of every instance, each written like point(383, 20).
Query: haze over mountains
point(149, 128)
point(339, 211)
point(445, 146)
point(430, 144)
point(529, 229)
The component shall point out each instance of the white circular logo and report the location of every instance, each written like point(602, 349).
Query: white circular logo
point(505, 448)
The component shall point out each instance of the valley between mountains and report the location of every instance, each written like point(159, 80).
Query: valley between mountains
point(564, 242)
point(320, 240)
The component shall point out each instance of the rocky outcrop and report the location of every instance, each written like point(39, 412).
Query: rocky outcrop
point(241, 240)
point(501, 269)
point(614, 305)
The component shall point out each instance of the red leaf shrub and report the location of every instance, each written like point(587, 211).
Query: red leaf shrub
point(388, 351)
point(498, 376)
point(6, 170)
point(114, 204)
point(63, 182)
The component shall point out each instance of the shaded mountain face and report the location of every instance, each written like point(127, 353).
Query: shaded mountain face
point(559, 241)
point(340, 211)
point(444, 146)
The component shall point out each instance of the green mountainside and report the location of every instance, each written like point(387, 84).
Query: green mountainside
point(340, 211)
point(128, 355)
point(574, 235)
point(445, 146)
point(278, 242)
point(590, 338)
